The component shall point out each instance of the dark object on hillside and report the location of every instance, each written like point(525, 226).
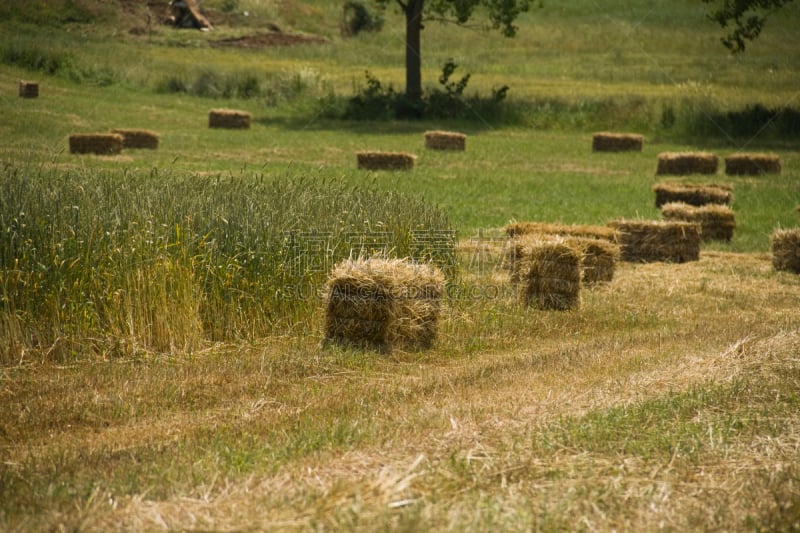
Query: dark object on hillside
point(28, 89)
point(616, 142)
point(357, 18)
point(186, 14)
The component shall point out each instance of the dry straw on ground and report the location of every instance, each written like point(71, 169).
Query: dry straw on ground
point(28, 89)
point(717, 222)
point(132, 138)
point(383, 303)
point(693, 194)
point(598, 256)
point(617, 142)
point(752, 164)
point(682, 163)
point(99, 143)
point(229, 119)
point(652, 240)
point(786, 249)
point(385, 160)
point(515, 229)
point(551, 276)
point(445, 140)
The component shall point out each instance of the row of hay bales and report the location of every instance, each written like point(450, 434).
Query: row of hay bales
point(685, 163)
point(434, 140)
point(739, 164)
point(388, 303)
point(113, 142)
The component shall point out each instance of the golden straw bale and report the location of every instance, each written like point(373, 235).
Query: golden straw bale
point(598, 256)
point(682, 163)
point(717, 222)
point(786, 249)
point(383, 303)
point(28, 89)
point(137, 138)
point(716, 193)
point(617, 142)
point(551, 276)
point(752, 164)
point(515, 229)
point(385, 160)
point(228, 118)
point(598, 259)
point(99, 143)
point(653, 240)
point(445, 140)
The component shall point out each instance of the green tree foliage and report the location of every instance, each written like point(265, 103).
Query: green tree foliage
point(501, 13)
point(746, 18)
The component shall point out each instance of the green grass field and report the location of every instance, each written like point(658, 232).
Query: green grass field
point(158, 372)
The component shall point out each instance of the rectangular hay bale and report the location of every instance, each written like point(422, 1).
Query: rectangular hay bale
point(383, 303)
point(598, 257)
point(445, 140)
point(717, 222)
point(228, 119)
point(514, 229)
point(653, 240)
point(98, 143)
point(385, 160)
point(747, 164)
point(551, 277)
point(28, 89)
point(691, 194)
point(617, 142)
point(786, 250)
point(133, 138)
point(683, 163)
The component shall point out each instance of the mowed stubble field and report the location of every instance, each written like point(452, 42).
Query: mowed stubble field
point(667, 401)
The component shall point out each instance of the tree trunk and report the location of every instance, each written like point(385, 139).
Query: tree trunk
point(413, 11)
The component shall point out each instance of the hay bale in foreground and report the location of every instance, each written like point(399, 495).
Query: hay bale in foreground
point(786, 249)
point(690, 194)
point(229, 119)
point(683, 163)
point(752, 164)
point(137, 138)
point(515, 229)
point(99, 143)
point(383, 303)
point(717, 222)
point(651, 240)
point(551, 277)
point(28, 89)
point(445, 140)
point(385, 160)
point(617, 142)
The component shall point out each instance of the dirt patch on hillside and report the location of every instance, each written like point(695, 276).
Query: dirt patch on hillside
point(263, 40)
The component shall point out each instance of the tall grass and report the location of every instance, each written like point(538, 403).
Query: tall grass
point(126, 262)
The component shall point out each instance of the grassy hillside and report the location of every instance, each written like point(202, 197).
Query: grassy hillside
point(160, 358)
